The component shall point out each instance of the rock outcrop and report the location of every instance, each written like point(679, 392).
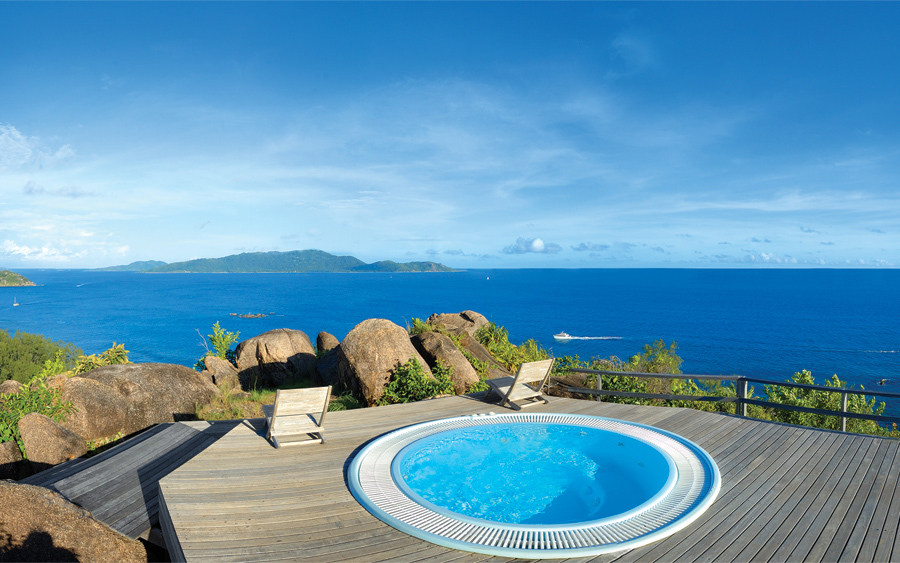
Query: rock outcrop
point(154, 393)
point(37, 524)
point(10, 387)
point(101, 411)
point(370, 353)
point(457, 323)
point(222, 373)
point(274, 356)
point(12, 465)
point(327, 367)
point(436, 347)
point(47, 443)
point(326, 341)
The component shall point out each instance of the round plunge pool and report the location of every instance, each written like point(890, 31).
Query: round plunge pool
point(537, 485)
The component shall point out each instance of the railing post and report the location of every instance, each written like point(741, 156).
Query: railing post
point(844, 409)
point(599, 386)
point(741, 395)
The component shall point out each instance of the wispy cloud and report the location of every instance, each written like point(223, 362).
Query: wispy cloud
point(10, 248)
point(591, 247)
point(761, 258)
point(73, 192)
point(536, 246)
point(633, 54)
point(108, 81)
point(18, 151)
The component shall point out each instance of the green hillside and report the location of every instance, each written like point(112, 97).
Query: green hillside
point(142, 266)
point(390, 266)
point(12, 279)
point(296, 261)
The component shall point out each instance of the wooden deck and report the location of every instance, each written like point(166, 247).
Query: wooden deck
point(120, 486)
point(788, 493)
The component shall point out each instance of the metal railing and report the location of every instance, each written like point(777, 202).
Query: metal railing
point(741, 399)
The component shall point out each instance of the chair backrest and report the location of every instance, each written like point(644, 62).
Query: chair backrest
point(531, 372)
point(300, 402)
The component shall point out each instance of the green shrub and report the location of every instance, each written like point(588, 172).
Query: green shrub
point(826, 400)
point(496, 340)
point(23, 356)
point(222, 341)
point(418, 327)
point(115, 355)
point(655, 358)
point(36, 397)
point(410, 383)
point(345, 402)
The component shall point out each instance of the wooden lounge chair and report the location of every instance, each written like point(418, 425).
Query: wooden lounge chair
point(525, 389)
point(290, 420)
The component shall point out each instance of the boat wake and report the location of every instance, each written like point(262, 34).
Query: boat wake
point(565, 337)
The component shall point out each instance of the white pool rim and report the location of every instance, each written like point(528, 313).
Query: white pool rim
point(692, 487)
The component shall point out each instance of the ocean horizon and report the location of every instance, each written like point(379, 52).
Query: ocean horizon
point(764, 323)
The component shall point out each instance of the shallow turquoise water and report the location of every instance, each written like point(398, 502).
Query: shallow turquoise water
point(532, 473)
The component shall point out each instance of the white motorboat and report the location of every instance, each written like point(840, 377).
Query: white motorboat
point(562, 337)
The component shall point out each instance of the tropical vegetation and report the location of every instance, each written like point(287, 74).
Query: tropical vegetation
point(23, 355)
point(38, 395)
point(12, 279)
point(32, 360)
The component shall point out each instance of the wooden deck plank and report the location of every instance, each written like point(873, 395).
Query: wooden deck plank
point(64, 470)
point(129, 503)
point(783, 540)
point(870, 521)
point(884, 547)
point(298, 506)
point(120, 486)
point(775, 527)
point(140, 472)
point(857, 518)
point(100, 474)
point(797, 546)
point(735, 502)
point(729, 545)
point(840, 508)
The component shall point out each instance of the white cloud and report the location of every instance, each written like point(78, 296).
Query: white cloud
point(537, 246)
point(10, 248)
point(17, 150)
point(591, 246)
point(32, 189)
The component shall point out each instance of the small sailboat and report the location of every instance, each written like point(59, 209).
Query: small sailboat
point(562, 337)
point(15, 302)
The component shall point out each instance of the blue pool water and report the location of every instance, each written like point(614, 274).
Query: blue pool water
point(559, 486)
point(533, 473)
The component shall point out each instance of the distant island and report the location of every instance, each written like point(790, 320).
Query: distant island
point(12, 279)
point(142, 266)
point(296, 261)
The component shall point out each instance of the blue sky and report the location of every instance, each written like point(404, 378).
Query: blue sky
point(480, 135)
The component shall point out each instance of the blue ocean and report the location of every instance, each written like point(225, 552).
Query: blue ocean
point(766, 323)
